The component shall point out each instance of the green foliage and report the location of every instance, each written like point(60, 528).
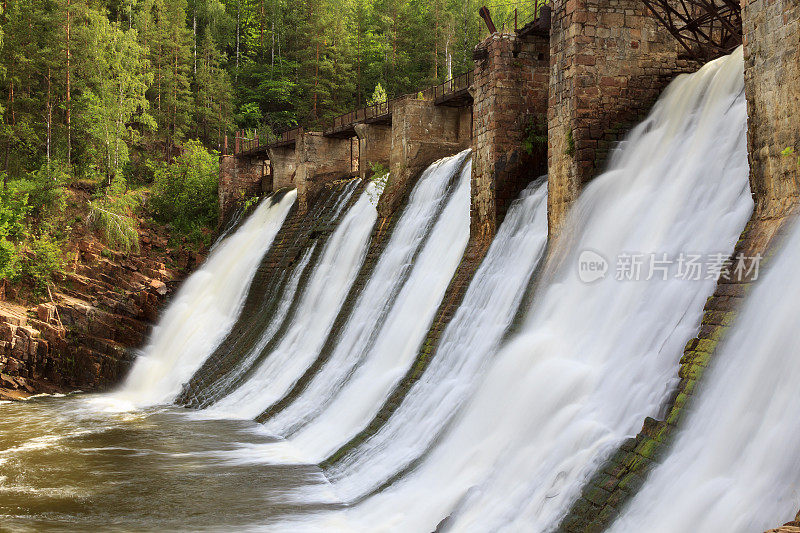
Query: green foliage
point(535, 136)
point(13, 210)
point(111, 109)
point(570, 150)
point(44, 190)
point(44, 260)
point(249, 203)
point(113, 215)
point(380, 177)
point(378, 96)
point(185, 191)
point(789, 152)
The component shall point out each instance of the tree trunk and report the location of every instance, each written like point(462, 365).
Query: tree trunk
point(194, 38)
point(69, 92)
point(238, 16)
point(49, 110)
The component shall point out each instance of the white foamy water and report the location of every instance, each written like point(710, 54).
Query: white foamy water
point(289, 292)
point(734, 466)
point(350, 389)
point(332, 276)
point(592, 360)
point(204, 309)
point(465, 349)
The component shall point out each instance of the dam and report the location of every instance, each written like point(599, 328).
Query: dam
point(553, 293)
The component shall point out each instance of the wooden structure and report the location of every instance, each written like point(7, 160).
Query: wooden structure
point(706, 29)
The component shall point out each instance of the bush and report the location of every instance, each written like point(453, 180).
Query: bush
point(185, 191)
point(44, 189)
point(113, 214)
point(13, 210)
point(44, 260)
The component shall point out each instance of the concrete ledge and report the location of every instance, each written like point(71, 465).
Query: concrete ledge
point(421, 134)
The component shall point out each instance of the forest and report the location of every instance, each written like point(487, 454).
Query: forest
point(132, 99)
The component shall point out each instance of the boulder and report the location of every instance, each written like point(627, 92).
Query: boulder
point(159, 286)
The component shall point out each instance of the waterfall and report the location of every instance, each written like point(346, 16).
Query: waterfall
point(205, 308)
point(417, 222)
point(270, 305)
point(331, 278)
point(595, 356)
point(373, 355)
point(733, 467)
point(465, 350)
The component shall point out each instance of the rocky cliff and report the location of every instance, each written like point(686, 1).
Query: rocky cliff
point(82, 334)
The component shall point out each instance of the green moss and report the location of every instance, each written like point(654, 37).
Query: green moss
point(570, 151)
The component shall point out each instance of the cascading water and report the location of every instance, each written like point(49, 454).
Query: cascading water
point(227, 380)
point(593, 359)
point(464, 351)
point(734, 466)
point(205, 308)
point(495, 435)
point(372, 355)
point(417, 221)
point(270, 305)
point(330, 281)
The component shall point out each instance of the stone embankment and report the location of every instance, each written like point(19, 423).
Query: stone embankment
point(789, 527)
point(97, 313)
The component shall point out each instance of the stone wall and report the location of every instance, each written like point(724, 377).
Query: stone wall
point(609, 61)
point(320, 160)
point(283, 163)
point(421, 134)
point(509, 110)
point(240, 178)
point(374, 146)
point(772, 87)
point(790, 527)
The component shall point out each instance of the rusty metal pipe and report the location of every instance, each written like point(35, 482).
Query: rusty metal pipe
point(487, 17)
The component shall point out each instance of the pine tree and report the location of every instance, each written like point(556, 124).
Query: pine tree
point(213, 102)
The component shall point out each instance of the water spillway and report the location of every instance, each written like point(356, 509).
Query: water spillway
point(325, 399)
point(205, 308)
point(733, 467)
point(319, 303)
point(272, 301)
point(464, 350)
point(385, 330)
point(593, 357)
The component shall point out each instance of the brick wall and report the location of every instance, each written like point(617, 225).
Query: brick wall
point(510, 105)
point(240, 178)
point(609, 61)
point(772, 87)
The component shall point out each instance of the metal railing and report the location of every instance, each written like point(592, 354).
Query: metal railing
point(515, 15)
point(246, 142)
point(364, 114)
point(454, 85)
